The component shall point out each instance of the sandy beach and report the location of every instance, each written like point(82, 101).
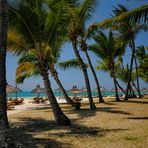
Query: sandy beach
point(28, 105)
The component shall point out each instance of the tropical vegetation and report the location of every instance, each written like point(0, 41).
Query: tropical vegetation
point(36, 33)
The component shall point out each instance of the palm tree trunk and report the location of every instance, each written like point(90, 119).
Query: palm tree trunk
point(137, 77)
point(119, 86)
point(136, 88)
point(115, 84)
point(56, 78)
point(5, 139)
point(132, 91)
point(83, 67)
point(60, 117)
point(130, 72)
point(95, 77)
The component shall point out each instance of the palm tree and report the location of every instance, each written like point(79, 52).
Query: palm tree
point(84, 48)
point(134, 16)
point(123, 74)
point(142, 57)
point(37, 27)
point(78, 14)
point(5, 139)
point(128, 33)
point(108, 48)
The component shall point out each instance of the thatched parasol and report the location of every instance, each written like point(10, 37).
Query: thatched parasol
point(75, 90)
point(38, 90)
point(12, 89)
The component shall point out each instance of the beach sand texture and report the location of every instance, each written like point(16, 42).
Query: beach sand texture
point(111, 125)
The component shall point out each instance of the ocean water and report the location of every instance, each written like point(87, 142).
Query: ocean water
point(57, 94)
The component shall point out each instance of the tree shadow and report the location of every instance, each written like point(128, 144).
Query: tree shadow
point(84, 113)
point(109, 103)
point(112, 110)
point(138, 102)
point(138, 118)
point(27, 133)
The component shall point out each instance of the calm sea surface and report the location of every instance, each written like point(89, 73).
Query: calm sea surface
point(57, 94)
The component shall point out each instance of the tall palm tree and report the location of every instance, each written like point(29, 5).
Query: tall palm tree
point(128, 29)
point(39, 23)
point(108, 48)
point(5, 139)
point(142, 57)
point(123, 74)
point(128, 33)
point(84, 48)
point(78, 14)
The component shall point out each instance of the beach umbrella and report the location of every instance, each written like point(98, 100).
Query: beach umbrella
point(83, 89)
point(145, 90)
point(12, 89)
point(113, 90)
point(102, 89)
point(74, 90)
point(38, 90)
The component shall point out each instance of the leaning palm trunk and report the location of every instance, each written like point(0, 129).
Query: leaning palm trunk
point(137, 77)
point(119, 86)
point(83, 67)
point(136, 88)
point(132, 93)
point(56, 78)
point(5, 139)
point(60, 117)
point(130, 72)
point(95, 77)
point(115, 84)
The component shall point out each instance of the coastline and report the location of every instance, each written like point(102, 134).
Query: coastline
point(28, 105)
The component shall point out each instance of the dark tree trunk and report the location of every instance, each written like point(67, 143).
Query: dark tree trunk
point(137, 77)
point(119, 86)
point(136, 88)
point(83, 67)
point(60, 117)
point(5, 139)
point(130, 72)
point(133, 95)
point(95, 77)
point(56, 78)
point(115, 84)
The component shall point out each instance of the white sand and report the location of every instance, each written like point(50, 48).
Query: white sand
point(28, 105)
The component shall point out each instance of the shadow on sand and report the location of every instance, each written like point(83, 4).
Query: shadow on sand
point(41, 133)
point(138, 118)
point(84, 112)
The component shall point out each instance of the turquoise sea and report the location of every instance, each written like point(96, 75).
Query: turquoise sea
point(58, 94)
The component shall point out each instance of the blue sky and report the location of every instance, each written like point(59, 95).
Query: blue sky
point(75, 77)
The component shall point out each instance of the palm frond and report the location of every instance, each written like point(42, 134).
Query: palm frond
point(135, 16)
point(70, 64)
point(25, 70)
